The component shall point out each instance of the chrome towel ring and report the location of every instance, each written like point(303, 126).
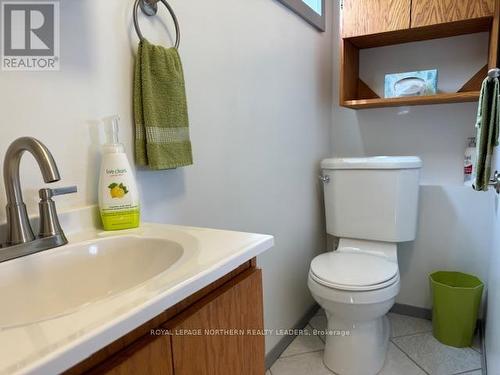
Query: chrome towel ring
point(149, 7)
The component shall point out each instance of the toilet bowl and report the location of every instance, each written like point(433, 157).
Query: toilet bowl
point(371, 204)
point(356, 303)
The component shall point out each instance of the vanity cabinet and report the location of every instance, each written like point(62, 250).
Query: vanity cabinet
point(434, 12)
point(211, 332)
point(149, 355)
point(365, 17)
point(229, 348)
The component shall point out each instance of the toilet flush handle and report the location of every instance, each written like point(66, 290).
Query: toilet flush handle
point(325, 179)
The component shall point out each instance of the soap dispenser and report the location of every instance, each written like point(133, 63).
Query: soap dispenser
point(470, 162)
point(118, 195)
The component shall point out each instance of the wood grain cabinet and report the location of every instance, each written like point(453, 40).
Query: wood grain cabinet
point(434, 12)
point(368, 17)
point(217, 331)
point(365, 17)
point(150, 355)
point(230, 348)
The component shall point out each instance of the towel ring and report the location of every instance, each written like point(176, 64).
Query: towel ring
point(149, 9)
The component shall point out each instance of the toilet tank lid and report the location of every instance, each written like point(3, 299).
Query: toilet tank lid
point(374, 162)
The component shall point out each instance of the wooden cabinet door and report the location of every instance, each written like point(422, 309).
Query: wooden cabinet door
point(433, 12)
point(235, 306)
point(365, 17)
point(151, 355)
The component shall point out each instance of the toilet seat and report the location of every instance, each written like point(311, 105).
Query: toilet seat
point(329, 295)
point(353, 271)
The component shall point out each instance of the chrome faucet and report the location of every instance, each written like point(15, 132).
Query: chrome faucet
point(20, 238)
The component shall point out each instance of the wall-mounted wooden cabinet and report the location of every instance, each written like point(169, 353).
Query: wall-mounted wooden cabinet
point(364, 17)
point(368, 17)
point(433, 12)
point(376, 23)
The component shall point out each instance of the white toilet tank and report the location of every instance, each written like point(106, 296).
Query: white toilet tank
point(373, 198)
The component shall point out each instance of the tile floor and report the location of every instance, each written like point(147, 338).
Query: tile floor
point(412, 351)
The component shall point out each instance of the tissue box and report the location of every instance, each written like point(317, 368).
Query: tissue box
point(418, 83)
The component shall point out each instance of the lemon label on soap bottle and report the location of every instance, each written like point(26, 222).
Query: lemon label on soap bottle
point(117, 190)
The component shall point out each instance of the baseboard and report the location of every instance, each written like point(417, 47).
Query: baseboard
point(416, 312)
point(280, 347)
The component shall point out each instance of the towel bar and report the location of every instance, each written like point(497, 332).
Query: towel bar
point(150, 8)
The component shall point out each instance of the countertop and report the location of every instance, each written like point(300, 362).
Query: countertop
point(54, 345)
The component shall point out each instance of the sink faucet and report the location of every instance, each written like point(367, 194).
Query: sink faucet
point(20, 238)
point(18, 226)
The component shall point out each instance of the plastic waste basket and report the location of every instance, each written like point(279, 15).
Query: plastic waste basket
point(456, 299)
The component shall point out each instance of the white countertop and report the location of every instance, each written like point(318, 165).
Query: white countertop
point(54, 345)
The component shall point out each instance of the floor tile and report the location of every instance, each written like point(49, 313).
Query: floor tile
point(304, 344)
point(397, 363)
point(403, 325)
point(436, 358)
point(476, 372)
point(302, 364)
point(319, 322)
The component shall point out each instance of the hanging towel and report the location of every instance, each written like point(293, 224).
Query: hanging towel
point(160, 109)
point(488, 118)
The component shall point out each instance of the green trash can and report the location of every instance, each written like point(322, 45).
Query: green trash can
point(456, 299)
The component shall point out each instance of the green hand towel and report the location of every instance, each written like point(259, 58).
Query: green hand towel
point(488, 118)
point(160, 109)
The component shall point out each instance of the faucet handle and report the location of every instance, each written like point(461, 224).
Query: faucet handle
point(49, 222)
point(47, 193)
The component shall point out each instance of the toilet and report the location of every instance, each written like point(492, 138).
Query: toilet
point(371, 204)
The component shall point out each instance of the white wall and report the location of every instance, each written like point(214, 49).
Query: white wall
point(493, 313)
point(455, 223)
point(259, 88)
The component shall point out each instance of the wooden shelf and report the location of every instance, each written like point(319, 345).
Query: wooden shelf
point(459, 97)
point(365, 24)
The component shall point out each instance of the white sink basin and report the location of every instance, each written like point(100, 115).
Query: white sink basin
point(61, 281)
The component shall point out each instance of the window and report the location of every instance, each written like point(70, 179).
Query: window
point(315, 5)
point(313, 11)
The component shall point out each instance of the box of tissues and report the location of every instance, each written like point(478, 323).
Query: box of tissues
point(419, 83)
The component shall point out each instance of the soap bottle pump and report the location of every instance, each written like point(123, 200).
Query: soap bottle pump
point(118, 195)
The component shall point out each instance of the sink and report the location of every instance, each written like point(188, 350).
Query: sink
point(58, 282)
point(57, 307)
